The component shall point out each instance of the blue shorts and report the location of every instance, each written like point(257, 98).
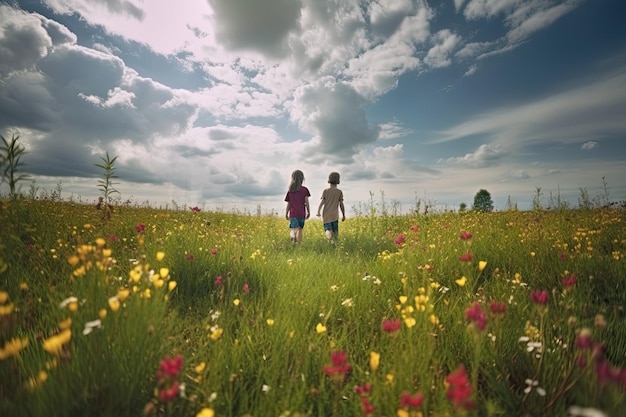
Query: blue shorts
point(296, 223)
point(332, 226)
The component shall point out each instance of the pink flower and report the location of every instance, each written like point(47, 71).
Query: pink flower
point(113, 238)
point(465, 235)
point(246, 288)
point(195, 209)
point(218, 280)
point(399, 240)
point(140, 228)
point(415, 228)
point(190, 257)
point(214, 251)
point(540, 297)
point(466, 257)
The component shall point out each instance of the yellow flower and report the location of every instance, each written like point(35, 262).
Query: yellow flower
point(55, 343)
point(122, 294)
point(135, 274)
point(401, 412)
point(270, 322)
point(217, 333)
point(200, 367)
point(164, 272)
point(102, 313)
point(461, 281)
point(158, 283)
point(236, 301)
point(433, 320)
point(532, 253)
point(13, 347)
point(374, 361)
point(403, 299)
point(4, 297)
point(107, 253)
point(65, 324)
point(206, 412)
point(146, 293)
point(482, 265)
point(320, 328)
point(114, 304)
point(34, 382)
point(409, 322)
point(171, 285)
point(160, 256)
point(100, 242)
point(23, 286)
point(5, 310)
point(389, 379)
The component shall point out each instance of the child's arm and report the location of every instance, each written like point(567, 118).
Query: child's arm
point(306, 206)
point(343, 211)
point(287, 210)
point(319, 208)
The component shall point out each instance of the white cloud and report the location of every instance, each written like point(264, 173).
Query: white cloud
point(569, 116)
point(485, 155)
point(592, 144)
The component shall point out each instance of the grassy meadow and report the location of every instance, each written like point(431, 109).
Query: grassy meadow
point(193, 313)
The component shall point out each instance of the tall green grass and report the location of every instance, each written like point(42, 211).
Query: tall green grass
point(259, 323)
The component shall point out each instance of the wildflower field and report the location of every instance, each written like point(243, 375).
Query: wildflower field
point(191, 313)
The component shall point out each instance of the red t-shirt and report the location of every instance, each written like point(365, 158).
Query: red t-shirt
point(296, 202)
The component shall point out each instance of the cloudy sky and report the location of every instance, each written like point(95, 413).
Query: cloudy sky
point(215, 102)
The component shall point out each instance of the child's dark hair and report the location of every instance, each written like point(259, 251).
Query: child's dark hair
point(333, 178)
point(297, 178)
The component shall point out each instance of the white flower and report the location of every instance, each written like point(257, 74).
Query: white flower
point(68, 300)
point(90, 325)
point(530, 384)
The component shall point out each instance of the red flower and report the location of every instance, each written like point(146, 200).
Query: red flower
point(246, 288)
point(368, 408)
point(399, 240)
point(362, 390)
point(195, 209)
point(466, 257)
point(392, 325)
point(475, 314)
point(540, 297)
point(214, 251)
point(569, 281)
point(465, 235)
point(140, 228)
point(411, 401)
point(460, 389)
point(339, 367)
point(497, 307)
point(218, 280)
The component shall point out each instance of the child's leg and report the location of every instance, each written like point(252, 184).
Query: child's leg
point(298, 234)
point(328, 230)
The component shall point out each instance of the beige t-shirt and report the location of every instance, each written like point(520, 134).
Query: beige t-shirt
point(331, 197)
